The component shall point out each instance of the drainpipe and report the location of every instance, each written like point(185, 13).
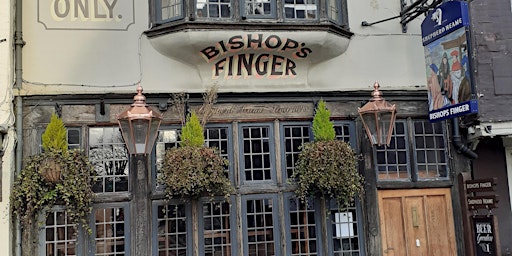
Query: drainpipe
point(457, 141)
point(18, 45)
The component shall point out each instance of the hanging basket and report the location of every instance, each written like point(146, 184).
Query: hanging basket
point(51, 170)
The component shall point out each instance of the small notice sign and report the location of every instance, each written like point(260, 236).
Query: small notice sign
point(480, 185)
point(485, 235)
point(482, 202)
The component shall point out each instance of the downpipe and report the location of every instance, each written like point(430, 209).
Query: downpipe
point(457, 141)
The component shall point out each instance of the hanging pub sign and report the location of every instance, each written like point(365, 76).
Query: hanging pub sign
point(484, 231)
point(447, 49)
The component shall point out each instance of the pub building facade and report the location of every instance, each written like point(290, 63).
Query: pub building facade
point(271, 61)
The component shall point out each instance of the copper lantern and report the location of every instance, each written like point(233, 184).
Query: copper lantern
point(378, 118)
point(139, 125)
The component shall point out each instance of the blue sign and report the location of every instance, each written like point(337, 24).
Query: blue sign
point(443, 20)
point(447, 62)
point(465, 108)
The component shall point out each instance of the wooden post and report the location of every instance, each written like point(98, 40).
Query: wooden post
point(466, 215)
point(140, 207)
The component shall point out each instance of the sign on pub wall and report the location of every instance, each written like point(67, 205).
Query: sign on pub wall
point(86, 14)
point(447, 61)
point(254, 55)
point(484, 231)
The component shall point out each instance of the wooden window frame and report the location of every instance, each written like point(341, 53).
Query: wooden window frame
point(154, 224)
point(271, 153)
point(276, 234)
point(127, 226)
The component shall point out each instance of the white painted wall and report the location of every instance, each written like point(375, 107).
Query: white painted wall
point(93, 61)
point(6, 121)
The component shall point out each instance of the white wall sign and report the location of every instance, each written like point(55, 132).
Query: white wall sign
point(86, 14)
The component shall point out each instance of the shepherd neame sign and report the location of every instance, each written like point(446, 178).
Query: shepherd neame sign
point(86, 14)
point(255, 56)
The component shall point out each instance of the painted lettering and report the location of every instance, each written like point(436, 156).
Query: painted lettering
point(256, 58)
point(84, 10)
point(254, 65)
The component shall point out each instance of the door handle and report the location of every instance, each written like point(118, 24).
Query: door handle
point(415, 222)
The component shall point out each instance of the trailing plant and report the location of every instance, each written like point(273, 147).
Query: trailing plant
point(33, 192)
point(327, 166)
point(193, 170)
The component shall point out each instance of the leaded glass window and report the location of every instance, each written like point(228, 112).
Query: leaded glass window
point(108, 155)
point(257, 153)
point(110, 230)
point(60, 235)
point(216, 228)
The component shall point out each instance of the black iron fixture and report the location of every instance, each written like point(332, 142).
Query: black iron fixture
point(409, 12)
point(378, 118)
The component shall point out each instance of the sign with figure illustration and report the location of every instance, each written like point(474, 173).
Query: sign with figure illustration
point(448, 65)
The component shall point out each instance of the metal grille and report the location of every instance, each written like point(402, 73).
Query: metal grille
point(60, 238)
point(108, 154)
point(110, 231)
point(300, 9)
point(171, 9)
point(213, 8)
point(260, 227)
point(294, 137)
point(217, 229)
point(430, 150)
point(256, 153)
point(302, 227)
point(172, 230)
point(392, 161)
point(345, 231)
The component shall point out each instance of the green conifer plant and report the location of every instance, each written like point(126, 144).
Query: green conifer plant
point(326, 166)
point(54, 137)
point(193, 170)
point(192, 133)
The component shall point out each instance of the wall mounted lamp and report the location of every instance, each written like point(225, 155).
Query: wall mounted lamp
point(139, 125)
point(378, 118)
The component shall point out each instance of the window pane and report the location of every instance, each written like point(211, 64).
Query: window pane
point(108, 154)
point(294, 137)
point(333, 10)
point(430, 150)
point(60, 234)
point(302, 227)
point(260, 227)
point(110, 231)
point(213, 9)
point(392, 161)
point(172, 229)
point(259, 8)
point(298, 9)
point(170, 9)
point(73, 138)
point(217, 229)
point(256, 149)
point(345, 230)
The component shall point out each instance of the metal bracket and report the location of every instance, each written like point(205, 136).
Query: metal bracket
point(409, 12)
